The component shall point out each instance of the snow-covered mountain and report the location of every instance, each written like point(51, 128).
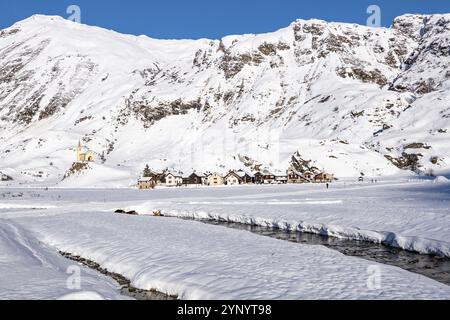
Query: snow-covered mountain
point(345, 98)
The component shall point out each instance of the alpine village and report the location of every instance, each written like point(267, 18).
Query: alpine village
point(151, 179)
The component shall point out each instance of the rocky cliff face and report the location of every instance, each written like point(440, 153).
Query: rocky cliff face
point(346, 98)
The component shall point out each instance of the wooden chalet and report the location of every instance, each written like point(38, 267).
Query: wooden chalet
point(268, 177)
point(300, 177)
point(323, 177)
point(247, 178)
point(215, 179)
point(195, 178)
point(157, 177)
point(281, 179)
point(146, 183)
point(259, 178)
point(170, 179)
point(232, 179)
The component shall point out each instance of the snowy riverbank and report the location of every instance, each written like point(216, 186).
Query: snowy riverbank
point(197, 261)
point(32, 270)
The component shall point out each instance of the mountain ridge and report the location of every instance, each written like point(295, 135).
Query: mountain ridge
point(349, 98)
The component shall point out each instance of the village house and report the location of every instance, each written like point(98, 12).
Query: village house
point(281, 179)
point(204, 177)
point(84, 154)
point(264, 177)
point(172, 180)
point(146, 183)
point(238, 177)
point(267, 177)
point(323, 177)
point(196, 178)
point(247, 178)
point(157, 177)
point(309, 176)
point(215, 179)
point(296, 177)
point(259, 178)
point(232, 179)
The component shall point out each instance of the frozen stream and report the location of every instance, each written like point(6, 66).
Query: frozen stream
point(436, 268)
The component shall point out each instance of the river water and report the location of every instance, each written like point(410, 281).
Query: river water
point(437, 268)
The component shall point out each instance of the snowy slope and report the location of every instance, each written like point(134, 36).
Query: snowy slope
point(316, 89)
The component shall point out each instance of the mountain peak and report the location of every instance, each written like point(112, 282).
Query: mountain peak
point(42, 19)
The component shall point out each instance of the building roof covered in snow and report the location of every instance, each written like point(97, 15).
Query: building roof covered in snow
point(242, 174)
point(145, 179)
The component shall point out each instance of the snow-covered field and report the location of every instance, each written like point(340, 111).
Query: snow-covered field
point(32, 270)
point(200, 261)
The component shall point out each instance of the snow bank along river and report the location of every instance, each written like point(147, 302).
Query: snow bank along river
point(434, 267)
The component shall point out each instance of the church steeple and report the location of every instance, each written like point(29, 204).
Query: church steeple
point(79, 151)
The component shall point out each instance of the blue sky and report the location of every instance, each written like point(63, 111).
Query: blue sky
point(212, 19)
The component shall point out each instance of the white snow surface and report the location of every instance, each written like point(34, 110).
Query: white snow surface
point(199, 261)
point(32, 270)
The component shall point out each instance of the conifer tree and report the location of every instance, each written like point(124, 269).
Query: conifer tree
point(147, 172)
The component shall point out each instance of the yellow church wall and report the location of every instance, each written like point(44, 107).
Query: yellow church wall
point(84, 156)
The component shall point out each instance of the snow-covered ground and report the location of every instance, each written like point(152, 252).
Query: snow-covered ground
point(32, 270)
point(199, 261)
